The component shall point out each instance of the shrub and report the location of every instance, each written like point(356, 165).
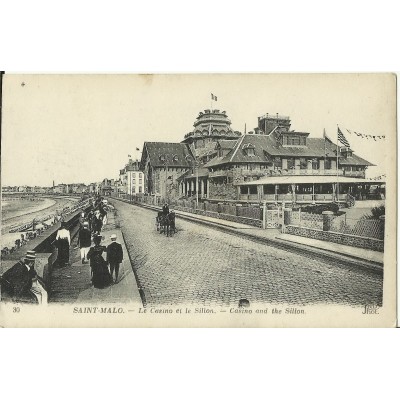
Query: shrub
point(376, 212)
point(319, 208)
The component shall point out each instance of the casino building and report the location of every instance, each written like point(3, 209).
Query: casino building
point(272, 163)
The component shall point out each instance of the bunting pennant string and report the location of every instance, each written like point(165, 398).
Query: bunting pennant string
point(378, 178)
point(365, 136)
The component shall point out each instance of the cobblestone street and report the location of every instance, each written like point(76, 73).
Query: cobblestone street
point(200, 265)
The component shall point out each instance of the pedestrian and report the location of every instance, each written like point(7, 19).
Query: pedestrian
point(97, 223)
point(114, 256)
point(103, 213)
point(90, 219)
point(101, 277)
point(165, 210)
point(63, 241)
point(84, 241)
point(21, 283)
point(82, 219)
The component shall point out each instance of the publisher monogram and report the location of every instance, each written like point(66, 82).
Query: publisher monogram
point(370, 309)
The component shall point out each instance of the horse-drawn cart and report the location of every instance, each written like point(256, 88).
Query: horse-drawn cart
point(165, 223)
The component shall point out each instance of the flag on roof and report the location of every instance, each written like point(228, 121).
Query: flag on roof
point(213, 97)
point(342, 138)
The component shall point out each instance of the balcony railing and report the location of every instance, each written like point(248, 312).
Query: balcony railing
point(354, 174)
point(289, 172)
point(217, 174)
point(319, 172)
point(298, 197)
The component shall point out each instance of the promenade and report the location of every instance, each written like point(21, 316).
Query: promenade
point(72, 284)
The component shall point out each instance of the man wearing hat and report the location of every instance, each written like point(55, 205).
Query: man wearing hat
point(84, 241)
point(21, 284)
point(165, 210)
point(114, 256)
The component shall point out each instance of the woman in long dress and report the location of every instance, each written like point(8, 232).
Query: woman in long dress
point(101, 277)
point(63, 241)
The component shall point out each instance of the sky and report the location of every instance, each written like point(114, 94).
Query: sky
point(81, 128)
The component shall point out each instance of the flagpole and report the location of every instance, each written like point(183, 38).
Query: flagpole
point(337, 163)
point(324, 148)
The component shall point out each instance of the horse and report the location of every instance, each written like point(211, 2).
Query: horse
point(159, 219)
point(170, 224)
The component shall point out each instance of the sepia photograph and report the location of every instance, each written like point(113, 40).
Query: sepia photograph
point(198, 200)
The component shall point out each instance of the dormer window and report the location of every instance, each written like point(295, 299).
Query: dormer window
point(346, 152)
point(294, 139)
point(249, 150)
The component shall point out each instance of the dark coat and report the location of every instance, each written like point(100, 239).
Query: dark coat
point(114, 253)
point(101, 277)
point(17, 282)
point(165, 210)
point(85, 238)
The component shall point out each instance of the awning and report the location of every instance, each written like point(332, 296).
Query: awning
point(306, 179)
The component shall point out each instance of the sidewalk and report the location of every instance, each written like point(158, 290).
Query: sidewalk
point(73, 283)
point(336, 252)
point(355, 252)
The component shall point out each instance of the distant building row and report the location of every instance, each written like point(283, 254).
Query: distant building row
point(62, 188)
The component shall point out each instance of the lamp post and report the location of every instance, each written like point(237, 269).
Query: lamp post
point(131, 186)
point(197, 183)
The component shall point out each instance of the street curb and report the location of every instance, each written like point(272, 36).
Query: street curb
point(140, 289)
point(333, 257)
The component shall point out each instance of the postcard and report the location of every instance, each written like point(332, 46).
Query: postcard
point(198, 200)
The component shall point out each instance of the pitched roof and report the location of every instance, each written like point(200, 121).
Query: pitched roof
point(316, 147)
point(226, 144)
point(201, 172)
point(177, 154)
point(354, 160)
point(216, 161)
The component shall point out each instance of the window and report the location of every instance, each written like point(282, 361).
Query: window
point(327, 164)
point(249, 150)
point(133, 189)
point(140, 189)
point(253, 189)
point(294, 140)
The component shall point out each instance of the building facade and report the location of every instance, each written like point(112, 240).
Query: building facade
point(162, 164)
point(217, 163)
point(131, 180)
